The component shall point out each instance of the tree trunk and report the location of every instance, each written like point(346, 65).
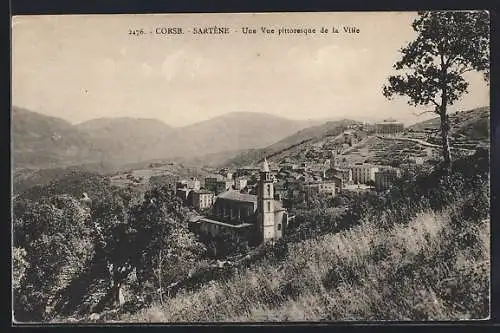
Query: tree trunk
point(118, 276)
point(445, 128)
point(118, 299)
point(445, 123)
point(160, 272)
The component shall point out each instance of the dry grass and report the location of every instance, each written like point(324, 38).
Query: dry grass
point(410, 272)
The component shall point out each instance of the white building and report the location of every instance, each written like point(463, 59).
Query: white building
point(389, 127)
point(240, 183)
point(364, 173)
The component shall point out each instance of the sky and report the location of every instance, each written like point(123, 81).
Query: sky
point(85, 67)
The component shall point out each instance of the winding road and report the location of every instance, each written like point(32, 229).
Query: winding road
point(421, 142)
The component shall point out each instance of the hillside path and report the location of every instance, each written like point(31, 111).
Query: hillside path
point(421, 142)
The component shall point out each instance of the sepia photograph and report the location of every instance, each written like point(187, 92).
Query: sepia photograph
point(250, 167)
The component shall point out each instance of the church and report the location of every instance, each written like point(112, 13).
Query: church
point(258, 218)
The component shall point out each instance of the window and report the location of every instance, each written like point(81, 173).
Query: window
point(279, 226)
point(268, 206)
point(269, 190)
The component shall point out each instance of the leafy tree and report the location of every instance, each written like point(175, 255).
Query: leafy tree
point(448, 45)
point(56, 237)
point(19, 266)
point(162, 243)
point(227, 243)
point(113, 242)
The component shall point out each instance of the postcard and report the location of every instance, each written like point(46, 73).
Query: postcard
point(251, 167)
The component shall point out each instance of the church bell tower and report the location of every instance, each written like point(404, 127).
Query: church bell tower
point(265, 202)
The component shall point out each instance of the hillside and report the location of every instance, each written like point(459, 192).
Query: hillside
point(394, 261)
point(69, 181)
point(43, 141)
point(469, 130)
point(365, 273)
point(234, 131)
point(127, 139)
point(295, 142)
point(473, 124)
point(48, 142)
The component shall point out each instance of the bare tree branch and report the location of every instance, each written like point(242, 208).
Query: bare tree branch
point(423, 112)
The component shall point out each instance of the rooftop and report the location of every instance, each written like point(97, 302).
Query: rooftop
point(203, 191)
point(216, 176)
point(201, 219)
point(389, 121)
point(237, 196)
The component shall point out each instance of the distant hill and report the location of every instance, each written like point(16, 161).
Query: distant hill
point(473, 124)
point(331, 128)
point(127, 140)
point(469, 129)
point(41, 141)
point(294, 141)
point(234, 131)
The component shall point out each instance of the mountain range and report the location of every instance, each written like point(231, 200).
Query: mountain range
point(42, 141)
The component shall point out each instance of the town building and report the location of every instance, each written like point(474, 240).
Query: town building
point(218, 184)
point(288, 166)
point(335, 171)
point(247, 171)
point(280, 190)
point(213, 228)
point(211, 182)
point(240, 183)
point(385, 178)
point(263, 217)
point(184, 187)
point(183, 194)
point(357, 188)
point(322, 187)
point(363, 173)
point(202, 199)
point(190, 184)
point(389, 127)
point(234, 207)
point(339, 184)
point(345, 174)
point(272, 218)
point(226, 173)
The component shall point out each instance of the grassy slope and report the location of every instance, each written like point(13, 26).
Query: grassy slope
point(472, 123)
point(406, 273)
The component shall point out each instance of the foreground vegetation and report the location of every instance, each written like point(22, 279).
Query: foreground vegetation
point(419, 252)
point(418, 271)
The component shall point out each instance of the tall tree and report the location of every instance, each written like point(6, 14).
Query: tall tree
point(113, 243)
point(448, 44)
point(163, 244)
point(56, 246)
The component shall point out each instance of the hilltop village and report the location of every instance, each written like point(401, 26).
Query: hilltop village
point(252, 201)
